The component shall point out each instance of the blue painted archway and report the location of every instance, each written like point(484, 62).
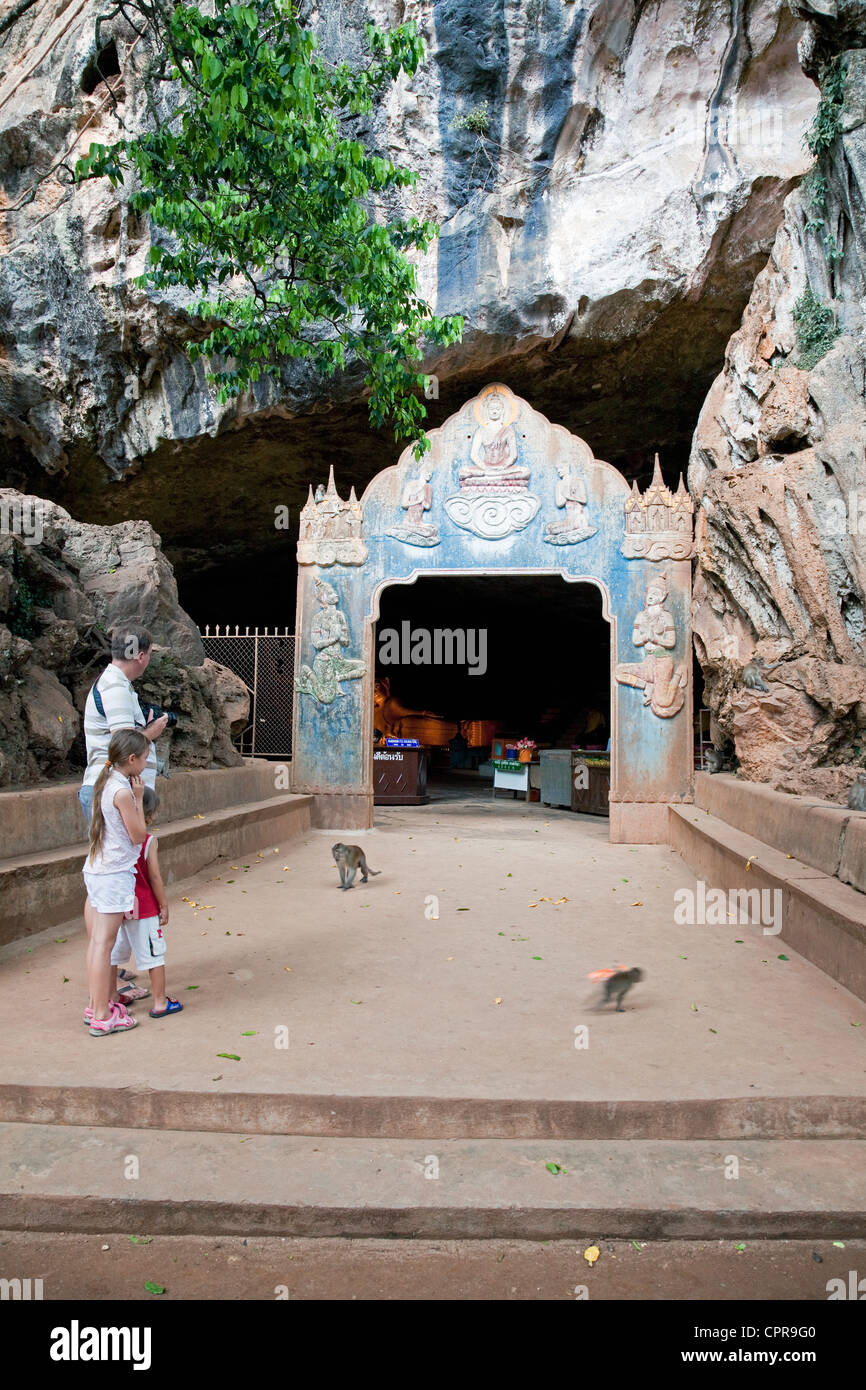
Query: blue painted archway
point(502, 492)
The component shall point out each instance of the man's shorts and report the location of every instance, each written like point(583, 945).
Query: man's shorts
point(145, 939)
point(110, 892)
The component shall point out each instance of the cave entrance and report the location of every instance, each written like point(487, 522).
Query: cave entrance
point(508, 505)
point(470, 664)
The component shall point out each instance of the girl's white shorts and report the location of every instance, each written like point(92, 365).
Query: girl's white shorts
point(111, 892)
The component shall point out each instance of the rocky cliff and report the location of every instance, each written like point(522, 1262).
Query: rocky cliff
point(609, 178)
point(778, 463)
point(63, 586)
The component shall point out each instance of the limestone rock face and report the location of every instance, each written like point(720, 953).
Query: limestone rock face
point(601, 231)
point(63, 586)
point(777, 463)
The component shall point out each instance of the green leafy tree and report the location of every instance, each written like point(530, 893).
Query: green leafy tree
point(280, 219)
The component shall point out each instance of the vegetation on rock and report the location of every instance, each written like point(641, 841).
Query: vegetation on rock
point(817, 329)
point(272, 209)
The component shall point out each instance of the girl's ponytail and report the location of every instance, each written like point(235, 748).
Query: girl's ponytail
point(125, 744)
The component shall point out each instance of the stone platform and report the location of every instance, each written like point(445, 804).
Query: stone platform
point(408, 1031)
point(741, 836)
point(203, 813)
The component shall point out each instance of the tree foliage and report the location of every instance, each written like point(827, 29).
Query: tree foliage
point(279, 217)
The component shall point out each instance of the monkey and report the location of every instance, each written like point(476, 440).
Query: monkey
point(320, 493)
point(857, 794)
point(350, 858)
point(618, 986)
point(754, 671)
point(715, 759)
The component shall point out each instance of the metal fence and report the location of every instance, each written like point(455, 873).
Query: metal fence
point(264, 659)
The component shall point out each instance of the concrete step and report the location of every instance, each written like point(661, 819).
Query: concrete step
point(822, 918)
point(45, 888)
point(49, 816)
point(436, 1118)
point(70, 1178)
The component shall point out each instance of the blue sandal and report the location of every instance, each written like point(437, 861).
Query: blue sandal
point(174, 1007)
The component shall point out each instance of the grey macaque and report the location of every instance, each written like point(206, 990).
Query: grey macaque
point(754, 672)
point(349, 859)
point(618, 986)
point(715, 760)
point(857, 794)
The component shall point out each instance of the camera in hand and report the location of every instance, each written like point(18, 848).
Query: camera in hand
point(156, 712)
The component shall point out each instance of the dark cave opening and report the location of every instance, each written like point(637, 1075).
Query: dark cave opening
point(106, 64)
point(545, 653)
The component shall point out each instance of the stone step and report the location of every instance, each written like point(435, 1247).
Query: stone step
point(436, 1118)
point(68, 1178)
point(822, 918)
point(49, 817)
point(46, 889)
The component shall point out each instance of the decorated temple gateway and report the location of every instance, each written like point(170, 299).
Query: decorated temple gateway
point(501, 495)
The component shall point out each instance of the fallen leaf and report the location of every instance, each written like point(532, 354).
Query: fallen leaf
point(683, 957)
point(288, 967)
point(251, 1033)
point(536, 957)
point(232, 1056)
point(591, 1254)
point(738, 941)
point(192, 986)
point(463, 909)
point(739, 1247)
point(555, 1169)
point(856, 1025)
point(217, 1078)
point(151, 1287)
point(713, 1030)
point(636, 1246)
point(137, 1240)
point(532, 904)
point(694, 1008)
point(783, 957)
point(60, 939)
point(749, 861)
point(560, 900)
point(198, 816)
point(449, 957)
point(497, 1001)
point(65, 979)
point(839, 1244)
point(638, 904)
point(356, 1001)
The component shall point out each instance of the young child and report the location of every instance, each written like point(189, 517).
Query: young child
point(141, 931)
point(117, 828)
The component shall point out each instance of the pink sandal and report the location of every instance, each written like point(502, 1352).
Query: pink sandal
point(119, 1021)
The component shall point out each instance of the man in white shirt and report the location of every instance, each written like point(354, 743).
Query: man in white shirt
point(112, 704)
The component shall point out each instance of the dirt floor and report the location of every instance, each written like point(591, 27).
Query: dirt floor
point(461, 970)
point(78, 1267)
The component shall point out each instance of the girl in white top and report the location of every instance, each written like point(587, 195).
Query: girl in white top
point(117, 828)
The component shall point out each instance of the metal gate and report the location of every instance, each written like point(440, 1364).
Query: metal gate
point(265, 662)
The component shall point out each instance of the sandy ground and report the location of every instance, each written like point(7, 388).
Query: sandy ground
point(461, 970)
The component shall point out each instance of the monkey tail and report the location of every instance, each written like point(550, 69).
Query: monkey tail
point(375, 871)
